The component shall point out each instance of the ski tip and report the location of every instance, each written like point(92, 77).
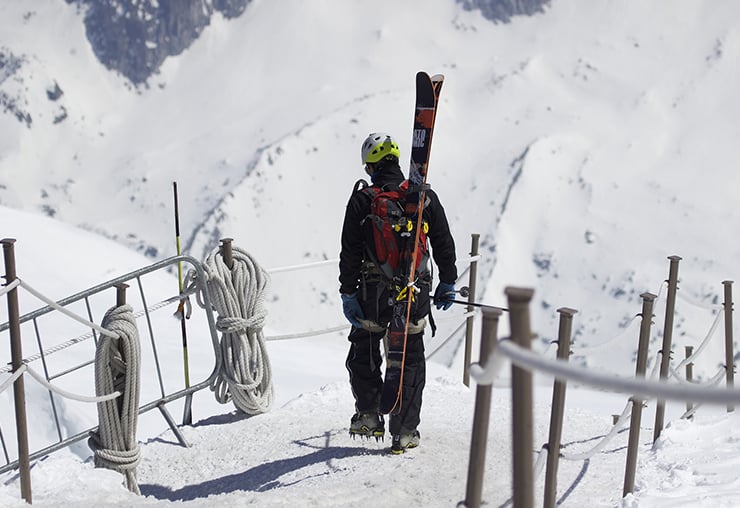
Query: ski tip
point(436, 78)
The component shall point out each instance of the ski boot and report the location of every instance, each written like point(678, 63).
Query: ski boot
point(403, 442)
point(367, 425)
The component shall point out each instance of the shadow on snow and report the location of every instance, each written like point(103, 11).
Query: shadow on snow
point(264, 477)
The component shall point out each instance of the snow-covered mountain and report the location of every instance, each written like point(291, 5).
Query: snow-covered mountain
point(585, 142)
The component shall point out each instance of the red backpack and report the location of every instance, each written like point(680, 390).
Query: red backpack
point(394, 231)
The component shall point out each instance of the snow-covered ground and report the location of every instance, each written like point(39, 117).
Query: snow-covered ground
point(301, 453)
point(585, 144)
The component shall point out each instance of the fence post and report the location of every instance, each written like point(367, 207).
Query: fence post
point(665, 357)
point(648, 299)
point(469, 321)
point(556, 413)
point(16, 353)
point(121, 294)
point(729, 350)
point(479, 438)
point(521, 394)
point(227, 253)
point(689, 376)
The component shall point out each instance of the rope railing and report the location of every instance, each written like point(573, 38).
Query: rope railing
point(312, 333)
point(334, 261)
point(66, 432)
point(89, 335)
point(703, 344)
point(641, 389)
point(617, 427)
point(659, 385)
point(65, 393)
point(712, 382)
point(175, 299)
point(51, 303)
point(96, 331)
point(673, 372)
point(697, 303)
point(10, 287)
point(582, 350)
point(604, 441)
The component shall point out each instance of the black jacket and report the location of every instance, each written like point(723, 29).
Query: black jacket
point(356, 237)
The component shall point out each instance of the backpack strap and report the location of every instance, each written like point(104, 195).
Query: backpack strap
point(360, 184)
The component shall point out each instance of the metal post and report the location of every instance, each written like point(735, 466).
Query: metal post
point(648, 299)
point(521, 393)
point(227, 253)
point(469, 321)
point(121, 294)
point(665, 357)
point(729, 349)
point(556, 413)
point(689, 375)
point(16, 353)
point(479, 438)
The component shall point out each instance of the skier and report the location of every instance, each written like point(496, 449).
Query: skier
point(368, 295)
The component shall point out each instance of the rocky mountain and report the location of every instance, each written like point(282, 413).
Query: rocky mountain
point(134, 37)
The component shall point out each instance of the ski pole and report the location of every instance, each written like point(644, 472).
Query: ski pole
point(464, 292)
point(187, 415)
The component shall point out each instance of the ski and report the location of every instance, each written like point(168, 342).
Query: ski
point(427, 97)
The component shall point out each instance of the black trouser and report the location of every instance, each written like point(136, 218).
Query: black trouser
point(365, 377)
point(364, 359)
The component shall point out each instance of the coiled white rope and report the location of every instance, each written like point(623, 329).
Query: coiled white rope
point(117, 368)
point(238, 295)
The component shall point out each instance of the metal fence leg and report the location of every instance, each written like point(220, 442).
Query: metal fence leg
point(689, 376)
point(16, 352)
point(479, 438)
point(171, 422)
point(648, 299)
point(521, 393)
point(472, 276)
point(556, 413)
point(665, 358)
point(729, 349)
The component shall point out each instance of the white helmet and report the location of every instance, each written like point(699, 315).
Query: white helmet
point(377, 146)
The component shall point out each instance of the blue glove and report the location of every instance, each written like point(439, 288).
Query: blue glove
point(352, 310)
point(444, 295)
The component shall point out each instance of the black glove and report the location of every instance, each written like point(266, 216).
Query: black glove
point(443, 295)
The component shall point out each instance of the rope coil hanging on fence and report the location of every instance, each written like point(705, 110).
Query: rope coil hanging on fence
point(238, 295)
point(117, 368)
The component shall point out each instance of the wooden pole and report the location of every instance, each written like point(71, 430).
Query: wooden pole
point(479, 439)
point(648, 299)
point(557, 411)
point(729, 349)
point(521, 392)
point(472, 276)
point(16, 353)
point(665, 358)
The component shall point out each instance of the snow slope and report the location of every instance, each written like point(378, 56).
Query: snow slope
point(570, 140)
point(300, 452)
point(585, 144)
